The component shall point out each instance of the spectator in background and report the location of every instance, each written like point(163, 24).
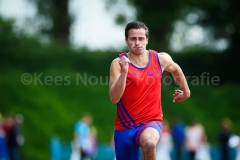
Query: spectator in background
point(81, 134)
point(178, 136)
point(223, 138)
point(238, 148)
point(193, 138)
point(7, 124)
point(91, 150)
point(203, 151)
point(3, 149)
point(165, 144)
point(15, 138)
point(112, 145)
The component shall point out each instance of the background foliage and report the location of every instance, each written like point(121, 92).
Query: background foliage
point(52, 109)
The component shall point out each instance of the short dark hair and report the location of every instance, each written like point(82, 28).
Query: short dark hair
point(136, 25)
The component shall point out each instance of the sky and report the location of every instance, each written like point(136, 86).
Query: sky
point(93, 27)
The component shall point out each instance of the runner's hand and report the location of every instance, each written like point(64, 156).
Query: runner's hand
point(179, 96)
point(123, 62)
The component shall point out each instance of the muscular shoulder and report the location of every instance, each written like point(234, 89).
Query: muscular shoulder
point(115, 67)
point(165, 59)
point(115, 62)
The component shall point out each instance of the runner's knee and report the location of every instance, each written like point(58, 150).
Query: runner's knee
point(149, 145)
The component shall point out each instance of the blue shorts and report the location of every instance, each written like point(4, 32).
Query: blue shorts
point(126, 142)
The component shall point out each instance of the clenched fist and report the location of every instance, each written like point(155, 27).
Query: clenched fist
point(123, 62)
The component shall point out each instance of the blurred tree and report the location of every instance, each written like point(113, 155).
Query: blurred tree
point(221, 17)
point(158, 16)
point(6, 33)
point(218, 17)
point(56, 19)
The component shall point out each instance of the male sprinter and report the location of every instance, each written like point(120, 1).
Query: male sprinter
point(135, 86)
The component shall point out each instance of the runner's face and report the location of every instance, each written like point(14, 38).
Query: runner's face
point(137, 41)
